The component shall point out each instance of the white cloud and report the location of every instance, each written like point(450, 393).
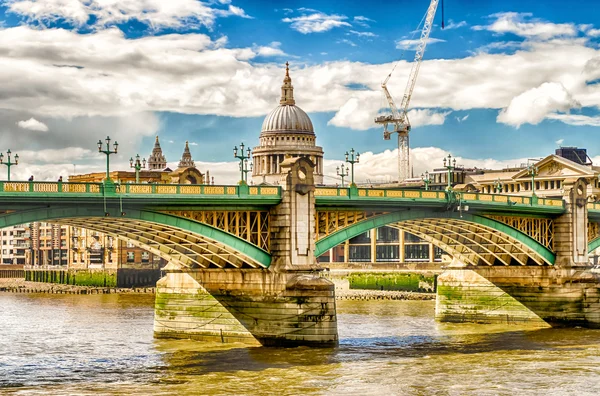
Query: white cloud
point(575, 119)
point(455, 25)
point(411, 44)
point(346, 41)
point(33, 125)
point(193, 144)
point(363, 34)
point(383, 167)
point(362, 21)
point(535, 104)
point(272, 49)
point(559, 142)
point(422, 117)
point(157, 14)
point(354, 114)
point(593, 32)
point(317, 22)
point(522, 24)
point(60, 74)
point(499, 46)
point(49, 156)
point(462, 119)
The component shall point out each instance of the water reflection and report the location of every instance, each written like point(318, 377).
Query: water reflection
point(103, 344)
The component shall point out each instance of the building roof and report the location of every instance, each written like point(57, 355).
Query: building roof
point(287, 117)
point(556, 166)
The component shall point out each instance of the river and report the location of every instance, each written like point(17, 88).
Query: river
point(103, 345)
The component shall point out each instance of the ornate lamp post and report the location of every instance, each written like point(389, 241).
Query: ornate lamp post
point(498, 186)
point(533, 171)
point(8, 163)
point(108, 152)
point(351, 159)
point(426, 180)
point(243, 161)
point(137, 165)
point(343, 173)
point(449, 164)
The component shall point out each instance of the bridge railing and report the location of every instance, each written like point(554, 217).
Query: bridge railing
point(135, 189)
point(374, 193)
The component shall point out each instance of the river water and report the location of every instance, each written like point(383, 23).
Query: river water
point(103, 345)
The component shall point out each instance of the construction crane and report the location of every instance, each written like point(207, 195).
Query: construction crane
point(398, 117)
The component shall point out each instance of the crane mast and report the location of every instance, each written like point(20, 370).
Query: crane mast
point(398, 117)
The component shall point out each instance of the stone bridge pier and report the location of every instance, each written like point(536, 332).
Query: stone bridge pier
point(286, 304)
point(565, 294)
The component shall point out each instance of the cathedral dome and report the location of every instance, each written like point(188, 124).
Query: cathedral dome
point(287, 117)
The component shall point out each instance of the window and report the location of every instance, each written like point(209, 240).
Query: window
point(130, 257)
point(145, 257)
point(388, 253)
point(359, 253)
point(387, 234)
point(130, 244)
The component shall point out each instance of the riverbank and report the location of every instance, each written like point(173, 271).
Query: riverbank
point(354, 294)
point(12, 285)
point(23, 286)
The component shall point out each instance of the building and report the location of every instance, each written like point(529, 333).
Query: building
point(550, 174)
point(15, 244)
point(48, 244)
point(157, 172)
point(286, 132)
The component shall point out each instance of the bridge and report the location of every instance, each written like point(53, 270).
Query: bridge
point(242, 259)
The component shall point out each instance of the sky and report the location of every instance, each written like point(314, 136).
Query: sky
point(503, 82)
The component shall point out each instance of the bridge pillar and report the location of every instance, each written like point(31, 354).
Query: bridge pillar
point(570, 229)
point(286, 304)
point(540, 295)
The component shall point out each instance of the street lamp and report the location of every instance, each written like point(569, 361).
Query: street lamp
point(8, 163)
point(450, 164)
point(137, 165)
point(426, 180)
point(343, 173)
point(350, 158)
point(108, 152)
point(533, 171)
point(498, 186)
point(243, 157)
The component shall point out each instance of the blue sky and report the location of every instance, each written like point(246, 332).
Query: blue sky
point(505, 81)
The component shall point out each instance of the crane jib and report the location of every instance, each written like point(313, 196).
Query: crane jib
point(399, 116)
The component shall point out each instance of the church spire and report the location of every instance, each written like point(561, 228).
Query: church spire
point(287, 90)
point(157, 160)
point(186, 158)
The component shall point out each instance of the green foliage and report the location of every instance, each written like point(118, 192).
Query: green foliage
point(391, 281)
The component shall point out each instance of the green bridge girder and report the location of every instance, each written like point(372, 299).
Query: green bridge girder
point(96, 219)
point(528, 245)
point(593, 244)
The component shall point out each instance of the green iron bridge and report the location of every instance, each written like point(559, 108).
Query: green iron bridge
point(229, 226)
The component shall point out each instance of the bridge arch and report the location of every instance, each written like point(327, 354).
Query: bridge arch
point(177, 239)
point(593, 244)
point(472, 238)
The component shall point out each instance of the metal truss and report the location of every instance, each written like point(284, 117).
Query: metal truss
point(330, 221)
point(542, 230)
point(169, 242)
point(250, 225)
point(593, 231)
point(471, 243)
